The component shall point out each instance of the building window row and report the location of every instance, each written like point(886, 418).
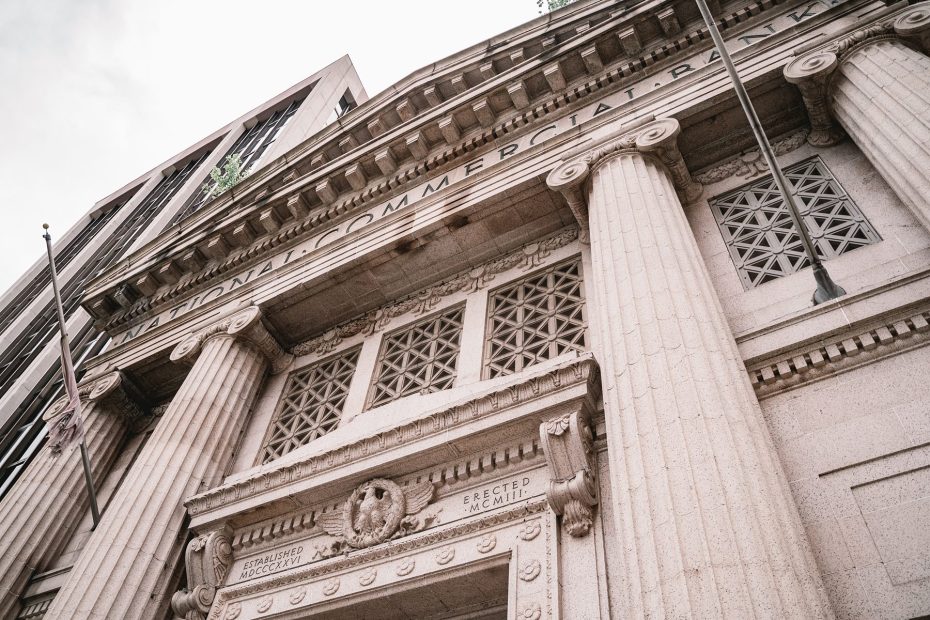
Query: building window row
point(531, 320)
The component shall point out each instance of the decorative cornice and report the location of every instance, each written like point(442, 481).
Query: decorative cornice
point(658, 138)
point(750, 163)
point(580, 370)
point(843, 353)
point(245, 324)
point(528, 257)
point(813, 72)
point(293, 215)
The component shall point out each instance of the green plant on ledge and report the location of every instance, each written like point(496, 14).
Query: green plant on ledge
point(223, 178)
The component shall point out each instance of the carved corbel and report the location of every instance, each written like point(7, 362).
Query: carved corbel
point(658, 138)
point(568, 443)
point(208, 558)
point(245, 324)
point(811, 74)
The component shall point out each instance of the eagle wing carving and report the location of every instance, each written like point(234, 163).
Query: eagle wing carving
point(418, 496)
point(331, 522)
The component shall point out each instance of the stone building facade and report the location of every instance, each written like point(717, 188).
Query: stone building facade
point(530, 335)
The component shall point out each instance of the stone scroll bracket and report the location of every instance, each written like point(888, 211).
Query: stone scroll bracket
point(207, 559)
point(813, 72)
point(246, 325)
point(568, 444)
point(658, 138)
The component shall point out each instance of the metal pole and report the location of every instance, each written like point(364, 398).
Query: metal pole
point(66, 350)
point(826, 288)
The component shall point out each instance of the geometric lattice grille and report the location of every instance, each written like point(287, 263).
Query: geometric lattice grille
point(311, 405)
point(535, 319)
point(759, 233)
point(418, 360)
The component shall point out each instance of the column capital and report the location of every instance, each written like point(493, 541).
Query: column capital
point(914, 25)
point(813, 71)
point(115, 389)
point(811, 74)
point(658, 138)
point(246, 325)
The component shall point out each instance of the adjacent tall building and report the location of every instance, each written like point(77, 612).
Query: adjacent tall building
point(528, 335)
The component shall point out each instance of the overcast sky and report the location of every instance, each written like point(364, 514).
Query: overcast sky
point(93, 93)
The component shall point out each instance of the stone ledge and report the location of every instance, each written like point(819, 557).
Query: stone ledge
point(841, 353)
point(529, 394)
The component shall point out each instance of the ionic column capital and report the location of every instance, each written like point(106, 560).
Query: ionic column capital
point(113, 388)
point(914, 25)
point(813, 71)
point(245, 325)
point(658, 139)
point(811, 74)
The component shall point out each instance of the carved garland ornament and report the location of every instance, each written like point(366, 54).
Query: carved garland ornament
point(377, 511)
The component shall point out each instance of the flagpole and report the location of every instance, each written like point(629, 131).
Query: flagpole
point(827, 289)
point(66, 369)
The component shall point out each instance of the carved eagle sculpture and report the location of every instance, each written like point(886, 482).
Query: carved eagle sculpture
point(374, 511)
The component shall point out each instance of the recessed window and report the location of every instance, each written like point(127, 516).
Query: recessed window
point(419, 359)
point(535, 319)
point(311, 405)
point(761, 237)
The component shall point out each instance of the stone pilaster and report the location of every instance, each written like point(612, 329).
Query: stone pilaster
point(127, 565)
point(42, 510)
point(875, 85)
point(707, 522)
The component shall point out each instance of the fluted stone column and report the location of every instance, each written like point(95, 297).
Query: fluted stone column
point(707, 522)
point(875, 84)
point(125, 569)
point(42, 510)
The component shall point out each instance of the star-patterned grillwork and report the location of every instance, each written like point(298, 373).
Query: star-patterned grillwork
point(759, 233)
point(311, 406)
point(535, 319)
point(418, 360)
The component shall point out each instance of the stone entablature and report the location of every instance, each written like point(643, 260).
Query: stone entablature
point(268, 225)
point(517, 402)
point(522, 536)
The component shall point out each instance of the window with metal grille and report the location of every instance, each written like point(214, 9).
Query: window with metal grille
point(311, 405)
point(250, 146)
point(419, 359)
point(759, 232)
point(535, 319)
